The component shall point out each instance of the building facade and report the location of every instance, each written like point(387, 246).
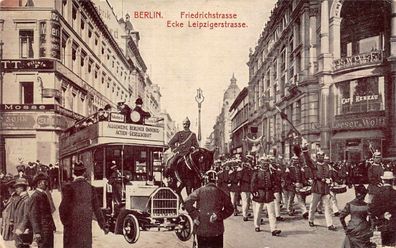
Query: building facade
point(328, 65)
point(239, 112)
point(60, 62)
point(222, 127)
point(169, 126)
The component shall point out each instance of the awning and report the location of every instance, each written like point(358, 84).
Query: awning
point(359, 134)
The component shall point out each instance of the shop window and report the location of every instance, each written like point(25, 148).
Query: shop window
point(361, 95)
point(369, 44)
point(27, 92)
point(26, 43)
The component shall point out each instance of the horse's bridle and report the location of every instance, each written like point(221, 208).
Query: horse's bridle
point(191, 164)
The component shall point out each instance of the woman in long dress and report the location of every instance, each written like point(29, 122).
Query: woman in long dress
point(358, 230)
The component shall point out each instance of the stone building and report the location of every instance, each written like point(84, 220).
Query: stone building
point(328, 65)
point(239, 123)
point(61, 61)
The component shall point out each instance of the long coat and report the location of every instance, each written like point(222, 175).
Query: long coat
point(20, 217)
point(210, 199)
point(41, 214)
point(79, 203)
point(7, 218)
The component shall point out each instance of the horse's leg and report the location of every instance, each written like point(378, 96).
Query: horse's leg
point(178, 192)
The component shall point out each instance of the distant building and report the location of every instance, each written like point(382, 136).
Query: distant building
point(239, 112)
point(222, 127)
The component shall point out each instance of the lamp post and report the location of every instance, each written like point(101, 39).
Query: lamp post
point(199, 98)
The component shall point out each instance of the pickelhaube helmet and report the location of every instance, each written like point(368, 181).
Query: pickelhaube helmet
point(377, 154)
point(210, 176)
point(186, 121)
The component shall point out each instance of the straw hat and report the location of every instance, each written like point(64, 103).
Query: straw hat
point(388, 175)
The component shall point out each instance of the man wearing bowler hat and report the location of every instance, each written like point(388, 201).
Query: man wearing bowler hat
point(383, 210)
point(138, 114)
point(79, 204)
point(23, 234)
point(40, 213)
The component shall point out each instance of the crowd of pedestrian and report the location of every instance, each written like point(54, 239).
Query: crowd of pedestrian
point(27, 207)
point(271, 183)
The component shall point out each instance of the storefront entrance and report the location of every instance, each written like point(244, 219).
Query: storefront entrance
point(353, 155)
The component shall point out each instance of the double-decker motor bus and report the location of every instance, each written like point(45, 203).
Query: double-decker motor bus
point(97, 142)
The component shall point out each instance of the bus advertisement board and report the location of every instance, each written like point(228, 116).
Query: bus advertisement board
point(138, 134)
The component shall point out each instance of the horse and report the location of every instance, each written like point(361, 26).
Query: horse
point(190, 170)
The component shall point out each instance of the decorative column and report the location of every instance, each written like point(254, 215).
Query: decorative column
point(325, 79)
point(313, 13)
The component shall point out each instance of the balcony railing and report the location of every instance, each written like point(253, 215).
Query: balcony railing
point(368, 58)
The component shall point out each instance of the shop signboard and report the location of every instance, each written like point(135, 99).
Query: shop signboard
point(137, 134)
point(34, 121)
point(10, 65)
point(362, 121)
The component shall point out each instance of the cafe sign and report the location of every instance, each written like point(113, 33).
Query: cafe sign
point(359, 99)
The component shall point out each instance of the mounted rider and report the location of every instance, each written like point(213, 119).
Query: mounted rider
point(181, 144)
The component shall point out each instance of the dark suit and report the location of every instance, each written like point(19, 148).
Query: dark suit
point(79, 203)
point(40, 217)
point(143, 115)
point(385, 201)
point(210, 200)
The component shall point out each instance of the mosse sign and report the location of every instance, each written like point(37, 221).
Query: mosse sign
point(26, 107)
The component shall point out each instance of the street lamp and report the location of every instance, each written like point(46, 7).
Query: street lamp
point(199, 98)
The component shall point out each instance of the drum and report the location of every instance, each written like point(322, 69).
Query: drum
point(338, 189)
point(304, 191)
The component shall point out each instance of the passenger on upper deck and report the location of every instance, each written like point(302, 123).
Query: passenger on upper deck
point(138, 114)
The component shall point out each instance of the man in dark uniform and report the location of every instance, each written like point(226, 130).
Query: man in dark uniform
point(141, 114)
point(293, 182)
point(115, 181)
point(375, 171)
point(262, 185)
point(213, 206)
point(223, 177)
point(320, 186)
point(181, 144)
point(276, 169)
point(245, 177)
point(125, 110)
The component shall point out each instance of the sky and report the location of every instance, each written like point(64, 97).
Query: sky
point(181, 60)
